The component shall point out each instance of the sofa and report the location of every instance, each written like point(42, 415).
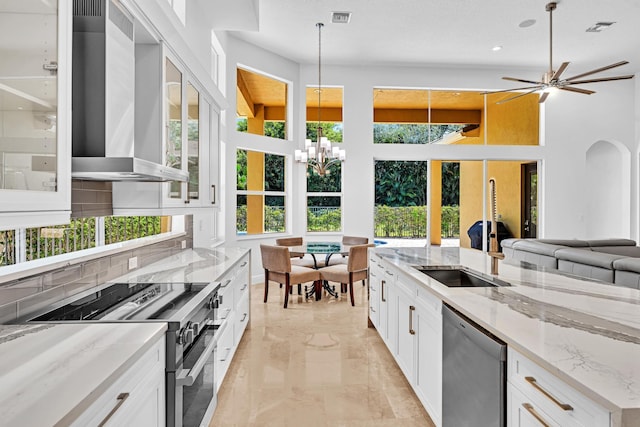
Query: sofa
point(615, 261)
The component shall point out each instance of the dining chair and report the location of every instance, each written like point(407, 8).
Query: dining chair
point(357, 268)
point(276, 261)
point(352, 240)
point(296, 257)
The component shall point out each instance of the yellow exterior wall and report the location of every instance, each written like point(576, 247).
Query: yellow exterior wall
point(508, 191)
point(470, 198)
point(435, 207)
point(514, 122)
point(255, 182)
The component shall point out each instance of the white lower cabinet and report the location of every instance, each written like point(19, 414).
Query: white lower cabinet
point(536, 395)
point(406, 349)
point(522, 413)
point(233, 314)
point(137, 398)
point(410, 323)
point(428, 379)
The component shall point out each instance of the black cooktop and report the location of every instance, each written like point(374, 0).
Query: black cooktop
point(127, 301)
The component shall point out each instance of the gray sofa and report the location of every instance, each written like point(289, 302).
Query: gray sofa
point(615, 261)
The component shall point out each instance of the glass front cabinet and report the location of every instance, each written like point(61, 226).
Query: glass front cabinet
point(35, 113)
point(176, 124)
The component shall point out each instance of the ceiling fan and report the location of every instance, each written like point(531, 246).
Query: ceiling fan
point(551, 79)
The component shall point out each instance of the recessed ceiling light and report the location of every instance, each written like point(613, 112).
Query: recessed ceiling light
point(599, 26)
point(527, 23)
point(496, 48)
point(340, 17)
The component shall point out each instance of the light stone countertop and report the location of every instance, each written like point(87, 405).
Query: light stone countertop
point(585, 332)
point(190, 265)
point(49, 371)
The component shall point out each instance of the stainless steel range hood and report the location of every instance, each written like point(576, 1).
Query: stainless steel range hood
point(103, 98)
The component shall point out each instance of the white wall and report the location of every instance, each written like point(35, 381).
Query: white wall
point(571, 124)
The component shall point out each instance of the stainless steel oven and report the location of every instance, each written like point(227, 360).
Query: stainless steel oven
point(190, 311)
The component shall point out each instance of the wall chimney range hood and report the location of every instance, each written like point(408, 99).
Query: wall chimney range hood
point(103, 98)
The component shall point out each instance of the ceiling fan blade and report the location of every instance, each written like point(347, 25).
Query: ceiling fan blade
point(597, 70)
point(603, 79)
point(513, 90)
point(543, 97)
point(560, 70)
point(577, 89)
point(502, 101)
point(513, 79)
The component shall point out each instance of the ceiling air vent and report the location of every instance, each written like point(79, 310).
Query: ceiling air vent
point(599, 26)
point(340, 17)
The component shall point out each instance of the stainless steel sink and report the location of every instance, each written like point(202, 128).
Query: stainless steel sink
point(460, 277)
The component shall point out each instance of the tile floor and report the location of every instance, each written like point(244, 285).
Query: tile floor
point(314, 364)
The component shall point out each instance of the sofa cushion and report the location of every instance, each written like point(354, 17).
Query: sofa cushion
point(537, 247)
point(628, 251)
point(572, 243)
point(588, 257)
point(627, 264)
point(610, 242)
point(508, 243)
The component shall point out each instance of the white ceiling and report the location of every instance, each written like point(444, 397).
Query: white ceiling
point(452, 32)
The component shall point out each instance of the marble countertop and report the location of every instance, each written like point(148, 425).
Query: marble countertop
point(585, 332)
point(48, 371)
point(190, 265)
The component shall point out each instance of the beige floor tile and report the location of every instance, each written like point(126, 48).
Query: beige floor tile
point(315, 364)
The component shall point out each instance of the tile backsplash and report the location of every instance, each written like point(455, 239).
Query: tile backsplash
point(24, 295)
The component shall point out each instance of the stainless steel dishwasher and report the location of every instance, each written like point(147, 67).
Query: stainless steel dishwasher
point(474, 370)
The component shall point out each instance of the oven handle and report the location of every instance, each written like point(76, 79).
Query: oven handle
point(187, 377)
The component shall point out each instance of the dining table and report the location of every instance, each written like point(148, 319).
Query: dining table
point(328, 249)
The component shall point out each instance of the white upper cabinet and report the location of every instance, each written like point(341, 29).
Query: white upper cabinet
point(176, 125)
point(35, 113)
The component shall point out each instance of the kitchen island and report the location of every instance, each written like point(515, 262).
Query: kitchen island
point(585, 333)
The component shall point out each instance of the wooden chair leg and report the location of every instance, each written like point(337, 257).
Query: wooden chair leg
point(286, 292)
point(351, 292)
point(266, 284)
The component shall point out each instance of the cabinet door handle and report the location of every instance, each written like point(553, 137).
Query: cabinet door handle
point(563, 406)
point(244, 287)
point(121, 398)
point(535, 414)
point(371, 273)
point(372, 309)
point(411, 310)
point(243, 317)
point(226, 283)
point(227, 351)
point(382, 282)
point(243, 264)
point(213, 194)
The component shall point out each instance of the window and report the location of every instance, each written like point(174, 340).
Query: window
point(261, 197)
point(28, 244)
point(422, 116)
point(324, 193)
point(261, 104)
point(400, 199)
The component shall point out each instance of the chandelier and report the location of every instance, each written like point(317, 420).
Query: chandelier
point(320, 155)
